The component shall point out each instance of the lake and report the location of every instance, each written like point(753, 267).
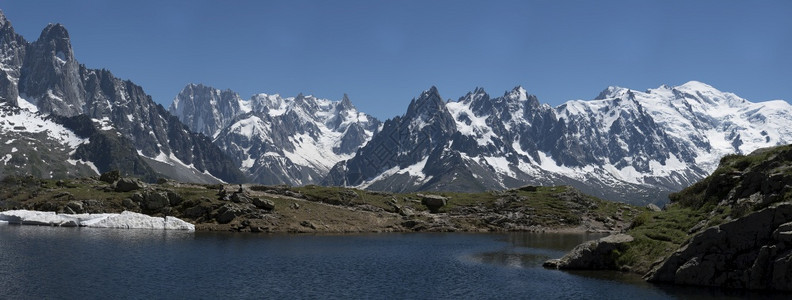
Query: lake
point(50, 262)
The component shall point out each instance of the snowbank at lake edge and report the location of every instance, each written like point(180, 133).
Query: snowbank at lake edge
point(125, 220)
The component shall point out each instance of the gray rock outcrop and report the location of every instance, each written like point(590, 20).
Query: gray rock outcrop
point(128, 185)
point(753, 252)
point(592, 255)
point(433, 202)
point(264, 204)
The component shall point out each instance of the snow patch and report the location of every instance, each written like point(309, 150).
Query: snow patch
point(125, 220)
point(477, 126)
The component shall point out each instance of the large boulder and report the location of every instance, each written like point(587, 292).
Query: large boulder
point(593, 255)
point(229, 212)
point(240, 197)
point(153, 200)
point(264, 204)
point(110, 177)
point(128, 185)
point(752, 252)
point(433, 202)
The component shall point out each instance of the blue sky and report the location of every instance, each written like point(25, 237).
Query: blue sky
point(384, 53)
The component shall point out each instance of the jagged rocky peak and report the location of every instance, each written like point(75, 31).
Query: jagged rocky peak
point(609, 92)
point(3, 21)
point(478, 100)
point(264, 102)
point(478, 94)
point(12, 55)
point(517, 93)
point(55, 39)
point(345, 103)
point(206, 109)
point(427, 104)
point(50, 77)
point(5, 25)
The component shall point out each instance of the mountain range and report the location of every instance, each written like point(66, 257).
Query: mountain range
point(623, 145)
point(59, 118)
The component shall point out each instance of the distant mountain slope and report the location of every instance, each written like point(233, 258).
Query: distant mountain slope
point(46, 74)
point(625, 145)
point(277, 140)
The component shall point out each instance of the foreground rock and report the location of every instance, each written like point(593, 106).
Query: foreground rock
point(433, 202)
point(592, 255)
point(128, 184)
point(125, 220)
point(752, 252)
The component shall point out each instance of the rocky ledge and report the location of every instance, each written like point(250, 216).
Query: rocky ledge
point(593, 255)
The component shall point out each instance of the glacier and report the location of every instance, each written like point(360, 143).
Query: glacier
point(124, 220)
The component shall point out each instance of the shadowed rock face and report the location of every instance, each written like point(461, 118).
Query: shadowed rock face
point(753, 252)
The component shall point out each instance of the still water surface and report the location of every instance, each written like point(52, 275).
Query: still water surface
point(68, 263)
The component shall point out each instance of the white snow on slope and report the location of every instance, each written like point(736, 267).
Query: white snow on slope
point(469, 124)
point(688, 112)
point(27, 121)
point(124, 220)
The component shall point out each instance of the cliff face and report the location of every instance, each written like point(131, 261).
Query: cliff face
point(751, 252)
point(732, 229)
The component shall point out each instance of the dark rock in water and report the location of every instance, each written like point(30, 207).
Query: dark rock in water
point(265, 204)
point(128, 185)
point(752, 252)
point(433, 202)
point(592, 255)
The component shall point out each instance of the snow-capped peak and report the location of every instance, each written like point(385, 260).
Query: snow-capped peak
point(518, 93)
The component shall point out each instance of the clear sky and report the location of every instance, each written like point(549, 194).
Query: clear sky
point(384, 53)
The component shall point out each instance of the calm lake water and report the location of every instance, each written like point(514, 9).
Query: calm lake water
point(47, 262)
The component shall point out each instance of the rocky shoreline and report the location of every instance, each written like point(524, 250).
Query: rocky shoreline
point(314, 209)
